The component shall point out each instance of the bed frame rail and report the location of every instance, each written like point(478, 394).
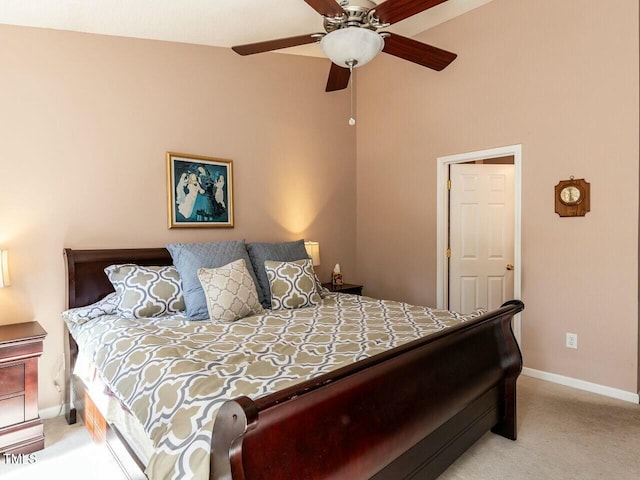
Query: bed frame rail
point(410, 411)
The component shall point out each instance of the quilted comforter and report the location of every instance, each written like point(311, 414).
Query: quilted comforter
point(173, 374)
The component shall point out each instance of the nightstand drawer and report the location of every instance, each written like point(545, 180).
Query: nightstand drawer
point(11, 411)
point(20, 426)
point(11, 379)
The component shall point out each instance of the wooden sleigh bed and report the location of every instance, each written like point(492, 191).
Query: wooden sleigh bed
point(406, 413)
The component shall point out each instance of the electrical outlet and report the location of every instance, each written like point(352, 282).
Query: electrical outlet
point(572, 340)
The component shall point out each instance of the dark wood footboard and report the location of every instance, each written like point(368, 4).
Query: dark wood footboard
point(407, 413)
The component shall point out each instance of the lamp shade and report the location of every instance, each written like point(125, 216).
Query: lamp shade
point(352, 43)
point(313, 250)
point(5, 281)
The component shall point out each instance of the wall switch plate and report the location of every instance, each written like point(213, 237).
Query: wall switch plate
point(572, 340)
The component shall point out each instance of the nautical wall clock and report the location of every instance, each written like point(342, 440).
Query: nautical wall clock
point(572, 197)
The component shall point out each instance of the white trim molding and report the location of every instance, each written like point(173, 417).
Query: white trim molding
point(51, 412)
point(582, 385)
point(442, 227)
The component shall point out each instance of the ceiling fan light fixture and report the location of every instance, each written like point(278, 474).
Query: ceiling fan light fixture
point(352, 45)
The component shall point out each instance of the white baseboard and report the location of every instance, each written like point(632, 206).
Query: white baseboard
point(51, 412)
point(582, 385)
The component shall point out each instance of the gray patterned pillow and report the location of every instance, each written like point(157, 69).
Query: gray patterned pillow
point(323, 292)
point(106, 306)
point(292, 284)
point(230, 292)
point(146, 291)
point(260, 252)
point(189, 257)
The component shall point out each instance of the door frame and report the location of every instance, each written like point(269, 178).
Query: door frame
point(442, 272)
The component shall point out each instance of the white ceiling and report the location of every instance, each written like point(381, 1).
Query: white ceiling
point(221, 23)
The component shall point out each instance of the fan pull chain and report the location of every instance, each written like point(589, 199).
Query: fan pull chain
point(352, 63)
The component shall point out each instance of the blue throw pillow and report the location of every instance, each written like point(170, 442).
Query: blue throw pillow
point(189, 257)
point(277, 252)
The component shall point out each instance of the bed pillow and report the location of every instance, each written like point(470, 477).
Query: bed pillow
point(106, 306)
point(278, 252)
point(146, 291)
point(189, 257)
point(292, 284)
point(323, 292)
point(230, 292)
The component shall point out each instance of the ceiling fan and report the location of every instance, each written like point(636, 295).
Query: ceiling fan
point(352, 38)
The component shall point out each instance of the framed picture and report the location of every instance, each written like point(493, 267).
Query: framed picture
point(199, 191)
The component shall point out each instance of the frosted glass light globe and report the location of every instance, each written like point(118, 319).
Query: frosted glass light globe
point(351, 43)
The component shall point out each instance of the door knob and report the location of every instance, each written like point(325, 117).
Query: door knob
point(510, 266)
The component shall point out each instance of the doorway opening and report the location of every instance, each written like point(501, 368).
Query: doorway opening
point(469, 167)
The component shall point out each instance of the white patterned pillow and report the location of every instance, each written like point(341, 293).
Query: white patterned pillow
point(230, 292)
point(146, 291)
point(106, 306)
point(292, 284)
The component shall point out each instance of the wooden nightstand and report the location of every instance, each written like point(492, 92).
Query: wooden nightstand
point(344, 288)
point(20, 426)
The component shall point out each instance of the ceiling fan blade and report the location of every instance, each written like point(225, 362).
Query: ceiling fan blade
point(328, 8)
point(418, 52)
point(393, 11)
point(338, 78)
point(269, 45)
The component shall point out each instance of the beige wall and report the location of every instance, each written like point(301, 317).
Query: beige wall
point(560, 78)
point(85, 124)
point(86, 121)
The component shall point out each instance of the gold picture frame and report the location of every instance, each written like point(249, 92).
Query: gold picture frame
point(199, 191)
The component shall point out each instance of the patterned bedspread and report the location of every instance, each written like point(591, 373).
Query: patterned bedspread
point(174, 374)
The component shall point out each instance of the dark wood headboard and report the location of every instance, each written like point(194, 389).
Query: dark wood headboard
point(86, 281)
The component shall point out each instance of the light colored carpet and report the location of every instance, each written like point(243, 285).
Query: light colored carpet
point(69, 454)
point(563, 434)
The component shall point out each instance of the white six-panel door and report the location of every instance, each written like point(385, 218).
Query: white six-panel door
point(481, 236)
